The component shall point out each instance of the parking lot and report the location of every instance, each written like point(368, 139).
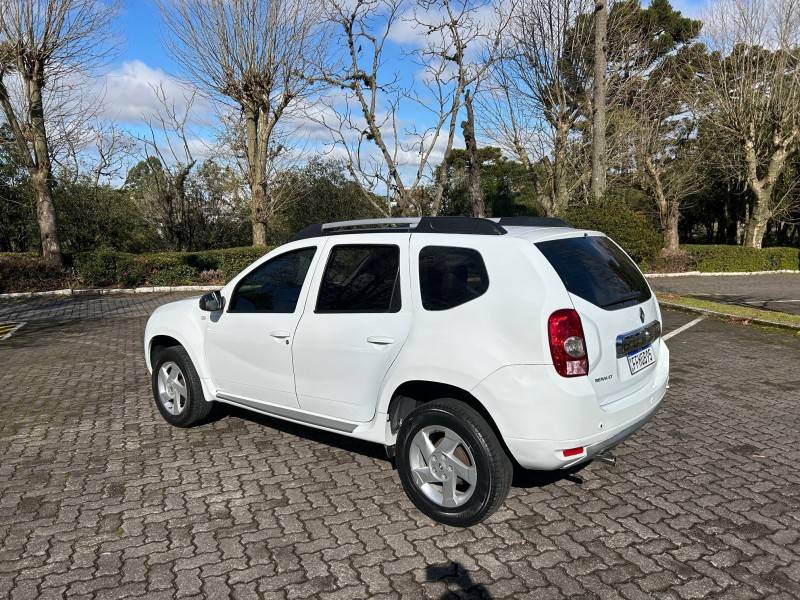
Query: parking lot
point(100, 498)
point(776, 291)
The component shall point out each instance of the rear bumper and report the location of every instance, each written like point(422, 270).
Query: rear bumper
point(540, 414)
point(547, 454)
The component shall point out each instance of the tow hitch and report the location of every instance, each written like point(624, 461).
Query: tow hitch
point(607, 458)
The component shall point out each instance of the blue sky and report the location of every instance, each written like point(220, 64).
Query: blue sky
point(143, 62)
point(139, 23)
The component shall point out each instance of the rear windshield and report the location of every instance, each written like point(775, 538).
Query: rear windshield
point(594, 268)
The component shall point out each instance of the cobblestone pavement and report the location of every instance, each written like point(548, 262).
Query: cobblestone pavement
point(99, 498)
point(780, 291)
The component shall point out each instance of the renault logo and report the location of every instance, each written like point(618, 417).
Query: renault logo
point(641, 314)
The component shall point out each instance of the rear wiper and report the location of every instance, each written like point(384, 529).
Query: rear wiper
point(628, 298)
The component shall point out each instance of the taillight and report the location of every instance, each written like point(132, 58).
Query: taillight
point(567, 344)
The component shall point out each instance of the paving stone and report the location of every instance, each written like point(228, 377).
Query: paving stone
point(100, 498)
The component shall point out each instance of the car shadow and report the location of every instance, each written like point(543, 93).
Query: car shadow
point(328, 438)
point(458, 579)
point(523, 478)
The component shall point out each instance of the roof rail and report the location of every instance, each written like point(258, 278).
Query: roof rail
point(463, 225)
point(361, 224)
point(531, 222)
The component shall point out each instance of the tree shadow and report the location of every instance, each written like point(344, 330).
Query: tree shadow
point(456, 576)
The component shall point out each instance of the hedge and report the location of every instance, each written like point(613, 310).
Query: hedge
point(712, 258)
point(631, 230)
point(28, 272)
point(108, 267)
point(22, 272)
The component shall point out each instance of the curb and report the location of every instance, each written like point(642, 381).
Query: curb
point(110, 291)
point(719, 273)
point(726, 316)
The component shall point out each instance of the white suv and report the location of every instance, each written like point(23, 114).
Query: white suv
point(460, 344)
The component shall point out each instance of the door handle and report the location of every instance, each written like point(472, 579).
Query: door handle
point(280, 334)
point(380, 340)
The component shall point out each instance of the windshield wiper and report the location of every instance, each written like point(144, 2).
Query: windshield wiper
point(628, 298)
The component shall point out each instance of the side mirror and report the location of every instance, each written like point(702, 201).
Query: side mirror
point(212, 301)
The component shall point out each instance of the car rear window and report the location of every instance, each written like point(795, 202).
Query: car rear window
point(594, 268)
point(450, 276)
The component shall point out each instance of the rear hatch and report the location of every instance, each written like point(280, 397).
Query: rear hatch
point(619, 312)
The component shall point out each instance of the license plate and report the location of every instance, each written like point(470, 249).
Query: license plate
point(641, 359)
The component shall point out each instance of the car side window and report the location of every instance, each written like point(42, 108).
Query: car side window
point(449, 276)
point(274, 286)
point(361, 278)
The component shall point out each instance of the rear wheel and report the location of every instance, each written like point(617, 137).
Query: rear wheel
point(177, 390)
point(451, 464)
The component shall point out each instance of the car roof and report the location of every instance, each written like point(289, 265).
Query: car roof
point(530, 228)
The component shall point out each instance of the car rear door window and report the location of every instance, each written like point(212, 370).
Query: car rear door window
point(449, 276)
point(274, 286)
point(597, 270)
point(361, 278)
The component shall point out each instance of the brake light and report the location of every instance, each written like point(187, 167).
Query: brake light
point(567, 344)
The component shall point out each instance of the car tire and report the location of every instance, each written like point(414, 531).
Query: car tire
point(451, 464)
point(177, 390)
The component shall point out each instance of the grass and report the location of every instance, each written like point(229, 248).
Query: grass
point(732, 311)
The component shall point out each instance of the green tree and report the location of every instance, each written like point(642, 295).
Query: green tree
point(508, 186)
point(321, 192)
point(17, 214)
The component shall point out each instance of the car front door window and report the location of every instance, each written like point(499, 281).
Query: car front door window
point(274, 286)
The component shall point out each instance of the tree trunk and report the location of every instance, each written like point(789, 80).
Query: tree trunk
point(41, 175)
point(599, 167)
point(476, 202)
point(671, 236)
point(762, 187)
point(257, 169)
point(560, 197)
point(759, 217)
point(668, 212)
point(259, 214)
point(46, 216)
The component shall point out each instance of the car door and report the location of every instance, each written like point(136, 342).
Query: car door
point(249, 347)
point(354, 328)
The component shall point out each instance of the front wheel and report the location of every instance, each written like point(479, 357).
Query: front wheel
point(177, 389)
point(451, 464)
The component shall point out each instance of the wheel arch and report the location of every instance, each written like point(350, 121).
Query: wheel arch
point(158, 343)
point(410, 394)
point(165, 338)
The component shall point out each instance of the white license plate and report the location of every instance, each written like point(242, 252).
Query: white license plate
point(641, 359)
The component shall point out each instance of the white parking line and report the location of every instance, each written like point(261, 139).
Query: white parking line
point(8, 329)
point(682, 328)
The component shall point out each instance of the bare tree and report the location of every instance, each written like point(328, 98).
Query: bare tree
point(666, 165)
point(752, 93)
point(256, 54)
point(46, 45)
point(476, 201)
point(599, 164)
point(167, 148)
point(460, 45)
point(539, 91)
point(287, 151)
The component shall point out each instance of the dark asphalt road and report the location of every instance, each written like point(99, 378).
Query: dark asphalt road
point(779, 292)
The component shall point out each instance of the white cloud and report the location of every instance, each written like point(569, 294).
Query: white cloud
point(129, 95)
